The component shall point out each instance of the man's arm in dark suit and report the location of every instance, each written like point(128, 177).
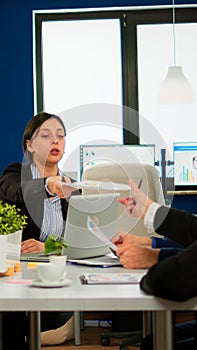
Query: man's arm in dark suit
point(179, 225)
point(175, 278)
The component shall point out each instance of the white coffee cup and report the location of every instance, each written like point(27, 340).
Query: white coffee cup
point(50, 272)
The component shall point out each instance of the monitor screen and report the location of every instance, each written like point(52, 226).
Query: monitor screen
point(185, 165)
point(95, 154)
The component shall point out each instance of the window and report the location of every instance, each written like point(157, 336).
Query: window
point(173, 122)
point(89, 64)
point(79, 77)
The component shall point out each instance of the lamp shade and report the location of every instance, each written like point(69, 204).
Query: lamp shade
point(175, 88)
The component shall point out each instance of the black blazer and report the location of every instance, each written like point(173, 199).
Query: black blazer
point(17, 187)
point(175, 278)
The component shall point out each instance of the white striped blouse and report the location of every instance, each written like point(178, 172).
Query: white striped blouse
point(52, 222)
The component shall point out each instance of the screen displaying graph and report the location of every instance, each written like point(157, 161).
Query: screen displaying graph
point(185, 163)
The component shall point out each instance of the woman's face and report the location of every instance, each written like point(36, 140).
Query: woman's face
point(48, 142)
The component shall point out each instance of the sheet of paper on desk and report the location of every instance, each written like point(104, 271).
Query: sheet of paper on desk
point(112, 278)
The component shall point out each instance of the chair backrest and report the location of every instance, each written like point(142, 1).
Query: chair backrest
point(121, 173)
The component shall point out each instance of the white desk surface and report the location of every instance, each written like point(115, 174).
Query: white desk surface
point(78, 297)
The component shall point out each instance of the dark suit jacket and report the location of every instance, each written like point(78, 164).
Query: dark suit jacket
point(175, 278)
point(17, 187)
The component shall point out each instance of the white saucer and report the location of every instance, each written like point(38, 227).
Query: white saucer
point(58, 284)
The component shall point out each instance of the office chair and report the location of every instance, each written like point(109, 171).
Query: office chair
point(151, 185)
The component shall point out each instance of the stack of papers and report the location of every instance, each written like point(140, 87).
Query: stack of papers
point(111, 278)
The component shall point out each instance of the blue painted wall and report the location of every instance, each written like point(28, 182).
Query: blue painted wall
point(16, 70)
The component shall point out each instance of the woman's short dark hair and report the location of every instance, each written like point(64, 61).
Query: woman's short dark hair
point(34, 124)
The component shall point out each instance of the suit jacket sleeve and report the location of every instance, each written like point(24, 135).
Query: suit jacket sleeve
point(10, 184)
point(177, 225)
point(175, 278)
point(17, 187)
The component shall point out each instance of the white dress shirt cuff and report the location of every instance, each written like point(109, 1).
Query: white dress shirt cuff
point(149, 217)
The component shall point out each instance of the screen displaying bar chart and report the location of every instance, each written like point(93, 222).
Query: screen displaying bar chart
point(185, 163)
point(186, 175)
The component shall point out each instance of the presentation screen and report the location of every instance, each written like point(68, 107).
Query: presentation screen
point(185, 165)
point(96, 154)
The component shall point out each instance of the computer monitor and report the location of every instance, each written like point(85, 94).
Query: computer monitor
point(185, 165)
point(97, 154)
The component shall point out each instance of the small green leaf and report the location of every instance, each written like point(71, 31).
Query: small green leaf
point(55, 245)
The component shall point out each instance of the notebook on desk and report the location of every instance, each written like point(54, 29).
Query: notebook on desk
point(103, 209)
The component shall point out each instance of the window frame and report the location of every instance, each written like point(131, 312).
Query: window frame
point(129, 19)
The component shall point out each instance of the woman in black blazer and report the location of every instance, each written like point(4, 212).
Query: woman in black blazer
point(35, 187)
point(36, 183)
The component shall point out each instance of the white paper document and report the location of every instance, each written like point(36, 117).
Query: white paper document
point(98, 185)
point(96, 231)
point(111, 278)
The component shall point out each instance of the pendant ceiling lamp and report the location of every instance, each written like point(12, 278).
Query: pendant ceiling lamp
point(175, 88)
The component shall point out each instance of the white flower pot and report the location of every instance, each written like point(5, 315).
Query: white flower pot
point(14, 245)
point(3, 252)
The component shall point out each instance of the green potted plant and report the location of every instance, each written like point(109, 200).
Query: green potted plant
point(55, 245)
point(11, 225)
point(10, 219)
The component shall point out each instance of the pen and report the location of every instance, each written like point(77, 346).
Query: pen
point(119, 241)
point(139, 185)
point(113, 251)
